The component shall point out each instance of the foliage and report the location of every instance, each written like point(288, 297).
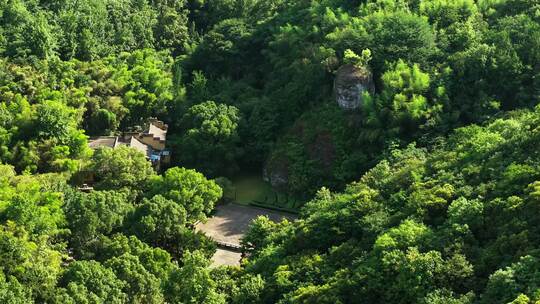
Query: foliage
point(359, 61)
point(89, 281)
point(420, 227)
point(159, 222)
point(120, 167)
point(142, 286)
point(210, 138)
point(401, 106)
point(427, 193)
point(189, 189)
point(94, 214)
point(192, 282)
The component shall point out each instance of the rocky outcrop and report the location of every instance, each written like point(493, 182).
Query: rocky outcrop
point(276, 173)
point(350, 84)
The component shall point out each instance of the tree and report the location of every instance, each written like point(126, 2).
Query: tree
point(390, 35)
point(26, 33)
point(7, 173)
point(407, 234)
point(28, 203)
point(399, 35)
point(95, 29)
point(435, 179)
point(55, 120)
point(160, 222)
point(13, 292)
point(401, 107)
point(249, 289)
point(258, 234)
point(222, 47)
point(121, 167)
point(192, 283)
point(171, 30)
point(359, 61)
point(132, 23)
point(445, 13)
point(517, 280)
point(190, 189)
point(90, 282)
point(85, 37)
point(146, 80)
point(102, 122)
point(35, 264)
point(210, 138)
point(445, 296)
point(94, 214)
point(155, 260)
point(141, 285)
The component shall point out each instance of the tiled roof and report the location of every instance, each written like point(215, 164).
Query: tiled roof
point(103, 141)
point(113, 142)
point(157, 132)
point(154, 130)
point(136, 144)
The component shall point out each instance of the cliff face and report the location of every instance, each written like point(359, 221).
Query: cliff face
point(320, 141)
point(350, 84)
point(318, 150)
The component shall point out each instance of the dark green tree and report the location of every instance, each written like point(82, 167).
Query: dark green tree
point(94, 214)
point(89, 281)
point(114, 169)
point(210, 139)
point(189, 189)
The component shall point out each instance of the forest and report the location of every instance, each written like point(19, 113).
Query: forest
point(425, 190)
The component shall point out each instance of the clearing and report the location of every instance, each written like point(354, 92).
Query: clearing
point(228, 225)
point(252, 189)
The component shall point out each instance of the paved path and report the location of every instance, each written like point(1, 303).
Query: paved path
point(226, 257)
point(228, 226)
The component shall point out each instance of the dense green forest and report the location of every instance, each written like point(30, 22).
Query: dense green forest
point(427, 192)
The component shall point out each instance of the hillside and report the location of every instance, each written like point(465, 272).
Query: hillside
point(404, 135)
point(457, 223)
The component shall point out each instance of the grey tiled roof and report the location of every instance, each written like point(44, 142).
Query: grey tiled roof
point(136, 144)
point(157, 132)
point(130, 140)
point(103, 141)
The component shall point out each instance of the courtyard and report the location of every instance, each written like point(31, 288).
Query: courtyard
point(228, 225)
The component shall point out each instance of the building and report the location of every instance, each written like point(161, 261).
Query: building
point(152, 142)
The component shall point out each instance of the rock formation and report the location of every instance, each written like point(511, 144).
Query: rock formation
point(350, 84)
point(276, 173)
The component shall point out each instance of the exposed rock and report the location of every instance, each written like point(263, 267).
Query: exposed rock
point(350, 84)
point(276, 173)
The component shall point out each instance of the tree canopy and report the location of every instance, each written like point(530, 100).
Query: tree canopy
point(426, 190)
